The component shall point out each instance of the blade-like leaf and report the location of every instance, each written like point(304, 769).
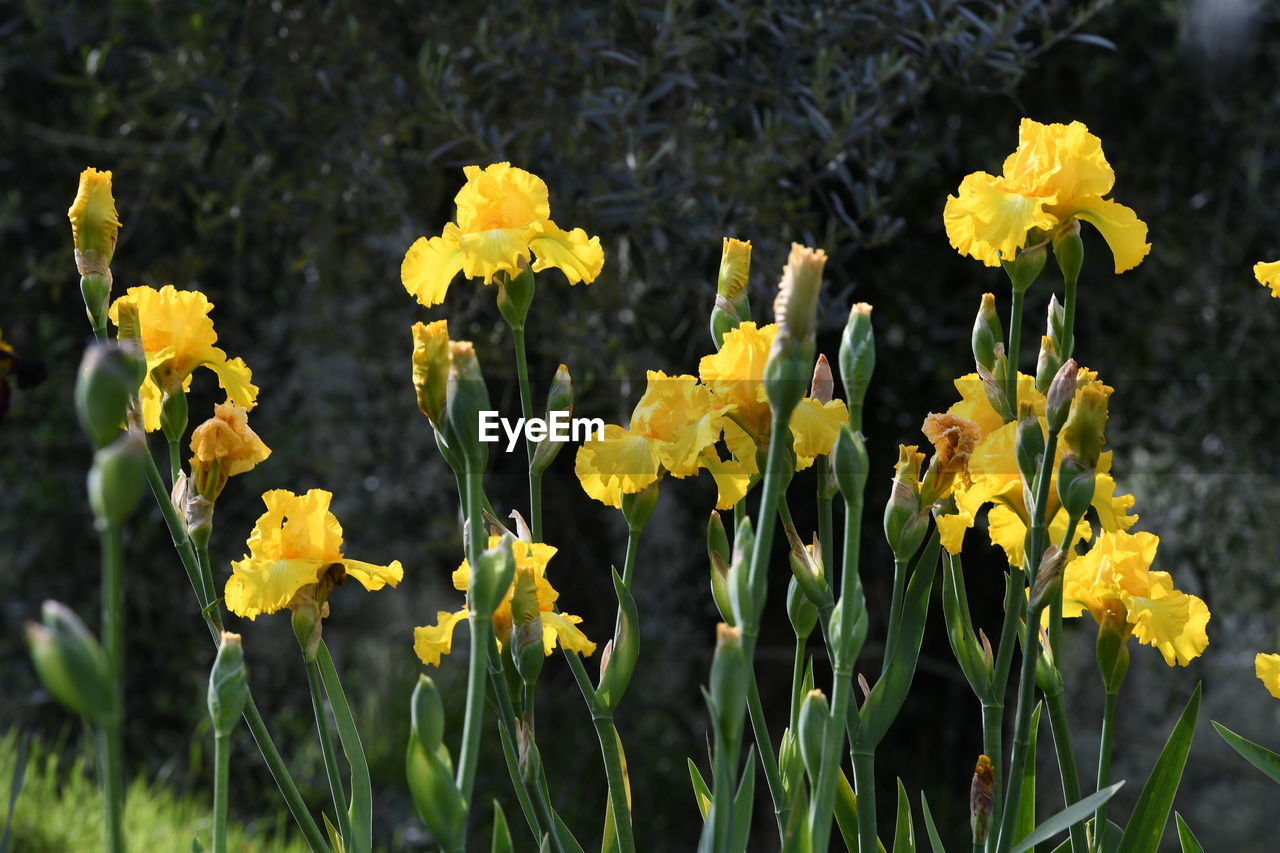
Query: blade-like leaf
point(15, 788)
point(904, 832)
point(1067, 818)
point(890, 691)
point(196, 845)
point(501, 833)
point(701, 793)
point(847, 812)
point(1186, 837)
point(743, 801)
point(1110, 840)
point(1146, 824)
point(1257, 755)
point(935, 841)
point(1026, 821)
point(336, 841)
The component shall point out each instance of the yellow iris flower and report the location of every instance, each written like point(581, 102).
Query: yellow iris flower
point(1057, 175)
point(1268, 274)
point(993, 478)
point(178, 337)
point(671, 426)
point(95, 224)
point(1267, 668)
point(735, 376)
point(1115, 576)
point(294, 544)
point(503, 221)
point(433, 641)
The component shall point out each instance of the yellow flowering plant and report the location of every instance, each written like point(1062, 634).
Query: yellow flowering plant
point(1023, 455)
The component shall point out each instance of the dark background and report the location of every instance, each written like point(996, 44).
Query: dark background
point(281, 157)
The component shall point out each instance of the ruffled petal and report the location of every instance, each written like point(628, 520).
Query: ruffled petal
point(264, 586)
point(564, 628)
point(1124, 232)
point(430, 265)
point(575, 254)
point(1268, 274)
point(235, 378)
point(432, 641)
point(988, 221)
point(372, 576)
point(620, 463)
point(1267, 668)
point(501, 196)
point(814, 427)
point(732, 478)
point(1009, 532)
point(487, 253)
point(1174, 623)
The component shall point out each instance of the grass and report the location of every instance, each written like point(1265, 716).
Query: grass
point(60, 809)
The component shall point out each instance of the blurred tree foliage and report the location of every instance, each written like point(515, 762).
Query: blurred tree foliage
point(281, 156)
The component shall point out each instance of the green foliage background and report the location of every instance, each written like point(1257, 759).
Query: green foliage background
point(281, 156)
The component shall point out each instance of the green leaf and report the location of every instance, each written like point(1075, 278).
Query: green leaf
point(1067, 818)
point(196, 845)
point(335, 836)
point(1026, 821)
point(904, 832)
point(935, 841)
point(1259, 756)
point(1185, 836)
point(501, 832)
point(361, 790)
point(15, 788)
point(882, 706)
point(743, 801)
point(1146, 824)
point(701, 793)
point(566, 837)
point(846, 808)
point(1110, 841)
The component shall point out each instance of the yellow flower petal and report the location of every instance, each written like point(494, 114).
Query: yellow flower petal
point(372, 576)
point(732, 477)
point(988, 221)
point(1267, 668)
point(579, 257)
point(259, 586)
point(814, 427)
point(1174, 623)
point(501, 196)
point(432, 641)
point(487, 253)
point(430, 265)
point(1124, 232)
point(563, 627)
point(1268, 274)
point(951, 528)
point(620, 463)
point(1009, 532)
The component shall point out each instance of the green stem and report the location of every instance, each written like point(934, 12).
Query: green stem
point(361, 790)
point(111, 741)
point(1069, 319)
point(1021, 734)
point(522, 794)
point(175, 460)
point(1015, 351)
point(221, 782)
point(864, 781)
point(826, 518)
point(206, 577)
point(629, 561)
point(617, 782)
point(993, 748)
point(822, 803)
point(1104, 766)
point(900, 568)
point(1066, 764)
point(473, 721)
point(768, 755)
point(326, 749)
point(280, 773)
point(526, 409)
point(722, 766)
point(797, 680)
point(181, 543)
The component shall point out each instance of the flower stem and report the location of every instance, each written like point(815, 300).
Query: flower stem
point(768, 755)
point(864, 780)
point(797, 680)
point(221, 782)
point(526, 409)
point(361, 791)
point(1015, 351)
point(900, 568)
point(1066, 764)
point(822, 803)
point(111, 738)
point(1104, 766)
point(326, 749)
point(474, 718)
point(993, 748)
point(618, 799)
point(175, 460)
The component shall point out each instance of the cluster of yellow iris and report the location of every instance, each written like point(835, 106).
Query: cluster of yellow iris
point(719, 420)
